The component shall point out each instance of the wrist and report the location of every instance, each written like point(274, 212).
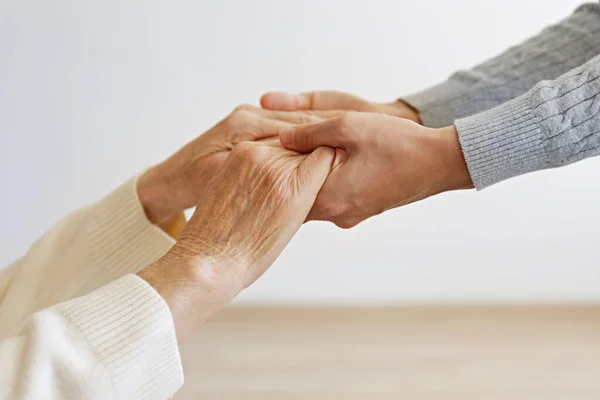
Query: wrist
point(454, 173)
point(188, 286)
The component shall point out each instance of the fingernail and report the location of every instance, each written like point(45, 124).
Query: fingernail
point(285, 136)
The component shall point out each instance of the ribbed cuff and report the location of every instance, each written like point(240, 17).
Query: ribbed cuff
point(503, 142)
point(130, 329)
point(121, 239)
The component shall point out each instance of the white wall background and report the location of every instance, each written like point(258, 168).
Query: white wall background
point(93, 91)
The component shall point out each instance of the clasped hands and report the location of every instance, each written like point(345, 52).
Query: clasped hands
point(257, 175)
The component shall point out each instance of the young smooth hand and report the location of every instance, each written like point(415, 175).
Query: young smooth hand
point(334, 100)
point(387, 162)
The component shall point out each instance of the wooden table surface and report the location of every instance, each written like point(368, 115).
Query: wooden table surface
point(455, 352)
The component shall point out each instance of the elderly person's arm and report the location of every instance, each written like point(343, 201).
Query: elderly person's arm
point(124, 326)
point(89, 248)
point(120, 341)
point(120, 235)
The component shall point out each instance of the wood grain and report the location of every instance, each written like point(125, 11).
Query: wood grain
point(455, 352)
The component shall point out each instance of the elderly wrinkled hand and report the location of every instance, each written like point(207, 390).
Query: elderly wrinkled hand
point(245, 217)
point(179, 182)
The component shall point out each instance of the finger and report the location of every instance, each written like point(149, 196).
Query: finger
point(265, 124)
point(261, 128)
point(323, 100)
point(302, 117)
point(312, 174)
point(307, 138)
point(268, 128)
point(272, 141)
point(284, 101)
point(340, 157)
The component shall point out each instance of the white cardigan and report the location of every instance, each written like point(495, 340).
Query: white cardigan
point(75, 323)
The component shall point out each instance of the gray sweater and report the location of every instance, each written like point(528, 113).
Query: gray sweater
point(535, 106)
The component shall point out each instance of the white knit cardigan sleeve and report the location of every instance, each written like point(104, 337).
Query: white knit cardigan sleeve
point(76, 323)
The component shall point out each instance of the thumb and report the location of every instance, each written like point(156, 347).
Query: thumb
point(324, 100)
point(313, 172)
point(306, 138)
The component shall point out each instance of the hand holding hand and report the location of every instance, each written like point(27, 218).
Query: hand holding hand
point(178, 183)
point(246, 216)
point(388, 162)
point(333, 100)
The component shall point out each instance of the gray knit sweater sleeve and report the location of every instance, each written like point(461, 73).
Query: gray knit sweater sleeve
point(556, 123)
point(555, 51)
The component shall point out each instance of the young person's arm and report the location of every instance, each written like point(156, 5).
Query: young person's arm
point(552, 53)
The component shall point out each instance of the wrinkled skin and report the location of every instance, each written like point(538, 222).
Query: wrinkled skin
point(246, 216)
point(178, 183)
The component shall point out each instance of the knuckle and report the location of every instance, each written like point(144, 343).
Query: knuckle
point(243, 149)
point(346, 124)
point(237, 118)
point(344, 214)
point(239, 134)
point(236, 136)
point(245, 107)
point(346, 223)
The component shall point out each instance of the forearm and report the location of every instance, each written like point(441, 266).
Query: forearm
point(116, 342)
point(555, 51)
point(86, 250)
point(554, 124)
